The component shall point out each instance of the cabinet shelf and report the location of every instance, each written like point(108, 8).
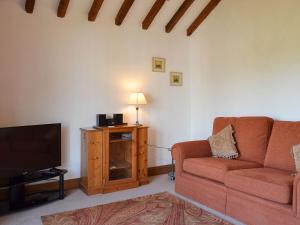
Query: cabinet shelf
point(120, 140)
point(115, 165)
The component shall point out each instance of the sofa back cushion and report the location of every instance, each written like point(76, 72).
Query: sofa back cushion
point(221, 122)
point(251, 134)
point(285, 134)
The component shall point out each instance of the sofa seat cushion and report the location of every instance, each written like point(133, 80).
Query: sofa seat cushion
point(215, 168)
point(271, 184)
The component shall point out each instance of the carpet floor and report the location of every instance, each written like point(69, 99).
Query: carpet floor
point(76, 199)
point(157, 209)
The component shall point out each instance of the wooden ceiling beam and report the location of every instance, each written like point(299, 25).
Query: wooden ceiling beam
point(177, 16)
point(29, 6)
point(95, 9)
point(202, 16)
point(152, 13)
point(62, 8)
point(123, 11)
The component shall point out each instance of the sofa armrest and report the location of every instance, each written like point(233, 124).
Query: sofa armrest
point(296, 195)
point(189, 149)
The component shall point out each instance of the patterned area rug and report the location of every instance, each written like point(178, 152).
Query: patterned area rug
point(158, 209)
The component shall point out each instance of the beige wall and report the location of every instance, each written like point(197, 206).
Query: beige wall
point(68, 70)
point(245, 61)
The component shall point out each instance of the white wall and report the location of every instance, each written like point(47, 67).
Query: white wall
point(245, 61)
point(68, 70)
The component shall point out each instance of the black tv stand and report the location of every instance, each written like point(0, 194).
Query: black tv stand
point(17, 197)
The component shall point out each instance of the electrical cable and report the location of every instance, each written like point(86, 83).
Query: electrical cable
point(159, 147)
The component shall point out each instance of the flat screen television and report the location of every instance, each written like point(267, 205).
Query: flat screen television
point(29, 148)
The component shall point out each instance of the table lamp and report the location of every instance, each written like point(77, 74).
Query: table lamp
point(137, 98)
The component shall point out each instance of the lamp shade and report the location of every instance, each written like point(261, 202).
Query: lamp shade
point(137, 98)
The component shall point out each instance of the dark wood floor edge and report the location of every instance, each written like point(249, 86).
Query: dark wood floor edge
point(158, 170)
point(74, 183)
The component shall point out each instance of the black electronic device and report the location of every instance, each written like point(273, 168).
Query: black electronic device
point(26, 149)
point(110, 122)
point(103, 120)
point(118, 118)
point(29, 154)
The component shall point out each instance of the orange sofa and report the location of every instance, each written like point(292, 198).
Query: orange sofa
point(259, 187)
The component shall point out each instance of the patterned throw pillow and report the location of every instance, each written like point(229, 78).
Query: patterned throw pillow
point(223, 144)
point(296, 155)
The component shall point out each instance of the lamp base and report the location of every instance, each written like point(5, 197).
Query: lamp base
point(138, 124)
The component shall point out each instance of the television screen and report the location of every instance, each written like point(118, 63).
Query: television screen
point(29, 148)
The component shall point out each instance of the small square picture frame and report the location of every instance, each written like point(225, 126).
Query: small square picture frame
point(176, 79)
point(158, 64)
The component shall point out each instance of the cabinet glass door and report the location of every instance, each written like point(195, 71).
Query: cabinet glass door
point(120, 155)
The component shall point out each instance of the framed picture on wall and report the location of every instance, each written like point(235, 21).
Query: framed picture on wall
point(158, 64)
point(176, 79)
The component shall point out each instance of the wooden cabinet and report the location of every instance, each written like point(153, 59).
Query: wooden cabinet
point(113, 158)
